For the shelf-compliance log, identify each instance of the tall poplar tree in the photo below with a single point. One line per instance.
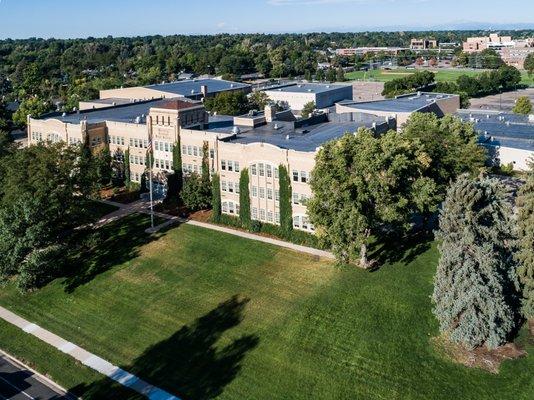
(244, 199)
(475, 299)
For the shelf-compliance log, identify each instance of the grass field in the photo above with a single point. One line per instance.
(208, 315)
(442, 75)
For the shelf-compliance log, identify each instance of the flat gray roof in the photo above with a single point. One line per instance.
(119, 113)
(191, 87)
(501, 129)
(407, 103)
(307, 88)
(307, 138)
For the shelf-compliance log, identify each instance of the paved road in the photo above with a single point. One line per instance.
(18, 383)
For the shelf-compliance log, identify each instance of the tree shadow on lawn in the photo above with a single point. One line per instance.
(403, 249)
(189, 364)
(99, 250)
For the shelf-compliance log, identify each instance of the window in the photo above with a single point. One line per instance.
(236, 166)
(195, 168)
(295, 176)
(254, 213)
(223, 186)
(254, 191)
(223, 165)
(253, 169)
(262, 193)
(184, 149)
(167, 146)
(189, 150)
(131, 142)
(269, 216)
(145, 143)
(195, 151)
(225, 206)
(269, 171)
(276, 173)
(230, 166)
(212, 153)
(236, 187)
(262, 214)
(303, 176)
(276, 195)
(295, 198)
(304, 223)
(269, 193)
(277, 217)
(261, 169)
(296, 222)
(231, 208)
(231, 187)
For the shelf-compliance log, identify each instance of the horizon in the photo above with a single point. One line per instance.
(208, 17)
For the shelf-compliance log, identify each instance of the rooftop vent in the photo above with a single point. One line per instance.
(64, 114)
(236, 130)
(276, 127)
(192, 91)
(287, 137)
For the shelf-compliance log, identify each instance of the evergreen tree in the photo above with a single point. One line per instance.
(286, 209)
(525, 255)
(175, 180)
(244, 199)
(216, 198)
(127, 178)
(474, 287)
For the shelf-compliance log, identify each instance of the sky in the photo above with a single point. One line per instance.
(97, 18)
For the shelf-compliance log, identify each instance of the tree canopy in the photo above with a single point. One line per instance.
(523, 105)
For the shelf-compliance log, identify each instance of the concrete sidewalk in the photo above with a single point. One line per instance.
(91, 360)
(142, 206)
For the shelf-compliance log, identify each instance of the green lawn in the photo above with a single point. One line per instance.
(208, 315)
(442, 75)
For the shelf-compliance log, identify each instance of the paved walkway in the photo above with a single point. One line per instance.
(92, 361)
(142, 206)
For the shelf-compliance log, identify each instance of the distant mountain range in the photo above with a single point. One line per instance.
(451, 26)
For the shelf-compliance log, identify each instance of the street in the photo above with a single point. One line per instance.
(18, 383)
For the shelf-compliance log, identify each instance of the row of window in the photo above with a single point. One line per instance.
(195, 151)
(190, 168)
(138, 143)
(136, 177)
(230, 207)
(162, 146)
(116, 140)
(74, 141)
(302, 222)
(263, 193)
(300, 176)
(265, 216)
(38, 136)
(163, 164)
(95, 141)
(262, 169)
(229, 165)
(161, 120)
(138, 160)
(230, 187)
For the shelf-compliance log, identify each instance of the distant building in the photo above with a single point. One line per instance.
(493, 41)
(509, 138)
(360, 51)
(423, 44)
(402, 107)
(516, 56)
(297, 95)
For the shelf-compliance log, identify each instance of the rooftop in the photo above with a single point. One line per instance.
(502, 129)
(306, 138)
(306, 88)
(405, 103)
(190, 87)
(119, 113)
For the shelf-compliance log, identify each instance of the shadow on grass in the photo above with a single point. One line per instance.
(400, 249)
(98, 251)
(189, 364)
